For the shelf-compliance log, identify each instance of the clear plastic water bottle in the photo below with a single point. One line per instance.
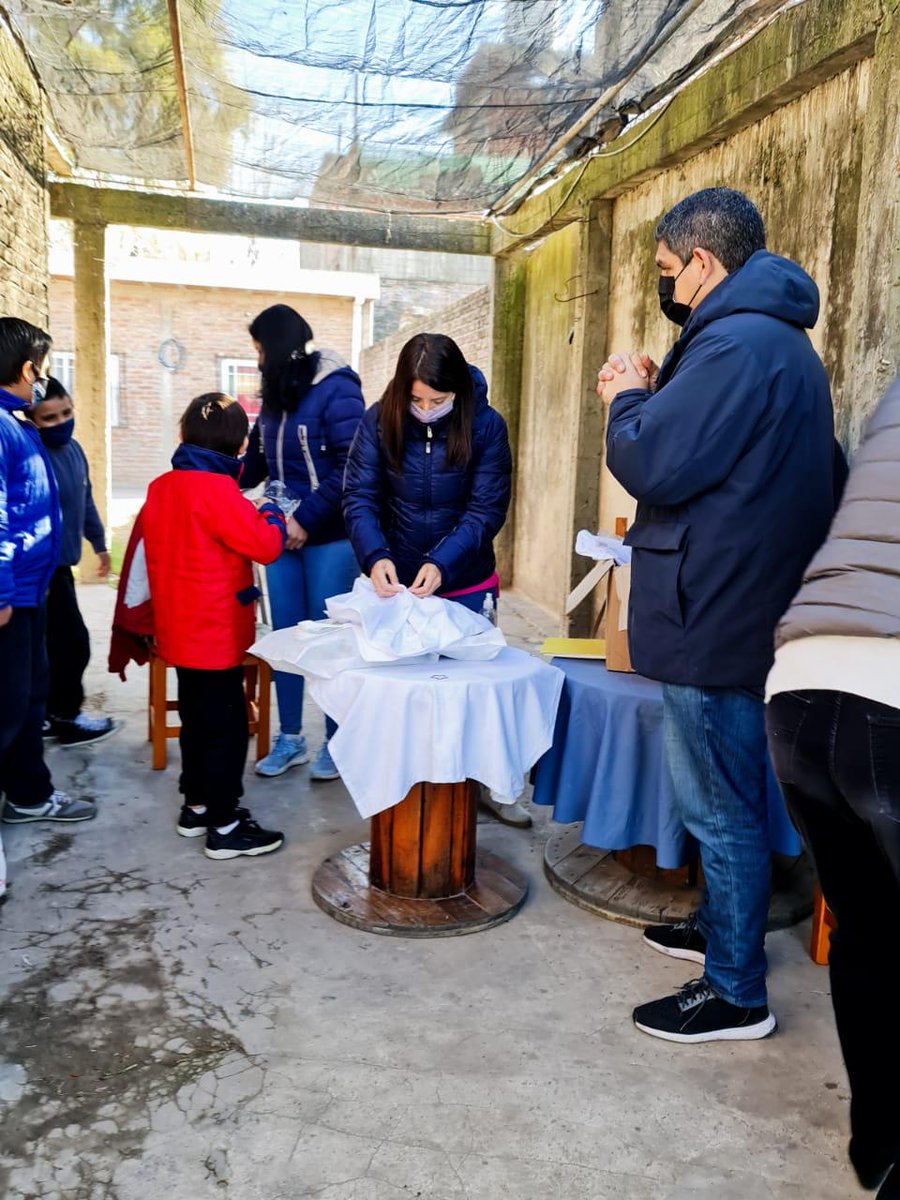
(489, 608)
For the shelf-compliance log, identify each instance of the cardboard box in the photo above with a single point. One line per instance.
(613, 584)
(618, 587)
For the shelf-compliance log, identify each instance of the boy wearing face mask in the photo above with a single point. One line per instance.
(30, 531)
(68, 641)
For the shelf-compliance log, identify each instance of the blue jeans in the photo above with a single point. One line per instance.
(300, 582)
(716, 750)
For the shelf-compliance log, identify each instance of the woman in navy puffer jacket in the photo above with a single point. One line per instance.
(427, 484)
(312, 405)
(427, 488)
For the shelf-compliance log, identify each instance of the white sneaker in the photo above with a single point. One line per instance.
(509, 812)
(289, 751)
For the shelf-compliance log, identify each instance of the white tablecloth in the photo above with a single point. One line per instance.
(440, 722)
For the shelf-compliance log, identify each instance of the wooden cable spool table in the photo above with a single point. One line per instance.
(422, 875)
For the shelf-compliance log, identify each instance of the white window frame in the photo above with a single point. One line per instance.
(228, 367)
(62, 367)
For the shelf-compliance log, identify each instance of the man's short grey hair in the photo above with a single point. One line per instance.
(719, 220)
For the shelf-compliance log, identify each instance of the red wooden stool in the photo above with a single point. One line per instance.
(257, 688)
(822, 924)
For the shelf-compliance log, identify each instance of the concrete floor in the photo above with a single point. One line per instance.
(176, 1029)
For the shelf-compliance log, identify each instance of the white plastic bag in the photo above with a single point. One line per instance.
(364, 630)
(406, 626)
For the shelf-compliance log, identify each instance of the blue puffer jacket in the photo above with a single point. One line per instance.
(307, 449)
(430, 511)
(30, 521)
(732, 462)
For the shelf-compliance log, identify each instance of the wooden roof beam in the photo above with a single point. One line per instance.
(163, 210)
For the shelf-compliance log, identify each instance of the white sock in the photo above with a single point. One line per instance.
(227, 828)
(199, 809)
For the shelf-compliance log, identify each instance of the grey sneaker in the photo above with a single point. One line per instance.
(509, 812)
(323, 769)
(59, 807)
(289, 751)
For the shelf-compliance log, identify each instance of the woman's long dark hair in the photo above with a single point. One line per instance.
(287, 370)
(436, 361)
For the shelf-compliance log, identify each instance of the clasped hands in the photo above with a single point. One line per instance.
(622, 372)
(385, 582)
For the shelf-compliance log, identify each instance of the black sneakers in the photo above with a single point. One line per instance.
(245, 839)
(697, 1014)
(84, 730)
(683, 940)
(192, 824)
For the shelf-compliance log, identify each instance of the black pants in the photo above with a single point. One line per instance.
(68, 647)
(837, 758)
(24, 778)
(213, 738)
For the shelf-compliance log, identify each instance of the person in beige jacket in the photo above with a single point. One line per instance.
(834, 735)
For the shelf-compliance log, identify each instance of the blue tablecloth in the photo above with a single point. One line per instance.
(607, 767)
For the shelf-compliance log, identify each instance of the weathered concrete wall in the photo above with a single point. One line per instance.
(548, 421)
(23, 201)
(801, 166)
(468, 322)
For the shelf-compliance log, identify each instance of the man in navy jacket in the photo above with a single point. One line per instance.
(728, 448)
(29, 549)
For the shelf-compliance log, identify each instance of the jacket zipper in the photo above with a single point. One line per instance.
(303, 434)
(279, 448)
(428, 437)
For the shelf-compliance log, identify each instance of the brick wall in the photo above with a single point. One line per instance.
(467, 321)
(210, 323)
(23, 204)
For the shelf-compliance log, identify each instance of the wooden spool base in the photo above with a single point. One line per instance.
(599, 882)
(341, 888)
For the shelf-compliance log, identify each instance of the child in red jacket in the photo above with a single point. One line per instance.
(201, 537)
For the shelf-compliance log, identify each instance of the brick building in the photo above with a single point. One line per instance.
(178, 327)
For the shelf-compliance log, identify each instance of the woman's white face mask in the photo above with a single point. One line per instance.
(428, 416)
(427, 405)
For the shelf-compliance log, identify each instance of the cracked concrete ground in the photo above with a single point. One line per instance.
(179, 1029)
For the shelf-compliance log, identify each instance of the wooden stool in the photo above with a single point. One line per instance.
(822, 924)
(257, 688)
(421, 875)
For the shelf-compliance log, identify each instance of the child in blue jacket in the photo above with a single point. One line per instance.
(68, 641)
(29, 549)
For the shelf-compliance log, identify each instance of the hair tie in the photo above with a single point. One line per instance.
(308, 349)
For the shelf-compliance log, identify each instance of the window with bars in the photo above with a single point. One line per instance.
(62, 366)
(239, 378)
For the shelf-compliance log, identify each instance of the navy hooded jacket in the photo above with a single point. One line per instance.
(731, 460)
(307, 449)
(80, 518)
(30, 521)
(430, 511)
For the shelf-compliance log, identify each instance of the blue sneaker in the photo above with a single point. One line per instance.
(323, 769)
(289, 751)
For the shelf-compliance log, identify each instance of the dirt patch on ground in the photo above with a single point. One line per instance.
(93, 1045)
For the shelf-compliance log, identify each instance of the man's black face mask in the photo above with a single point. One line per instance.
(678, 313)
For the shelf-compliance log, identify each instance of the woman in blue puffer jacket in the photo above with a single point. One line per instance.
(427, 485)
(312, 404)
(428, 479)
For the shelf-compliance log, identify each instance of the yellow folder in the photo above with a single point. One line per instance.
(560, 647)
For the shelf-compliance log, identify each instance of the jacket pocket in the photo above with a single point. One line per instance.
(303, 435)
(656, 595)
